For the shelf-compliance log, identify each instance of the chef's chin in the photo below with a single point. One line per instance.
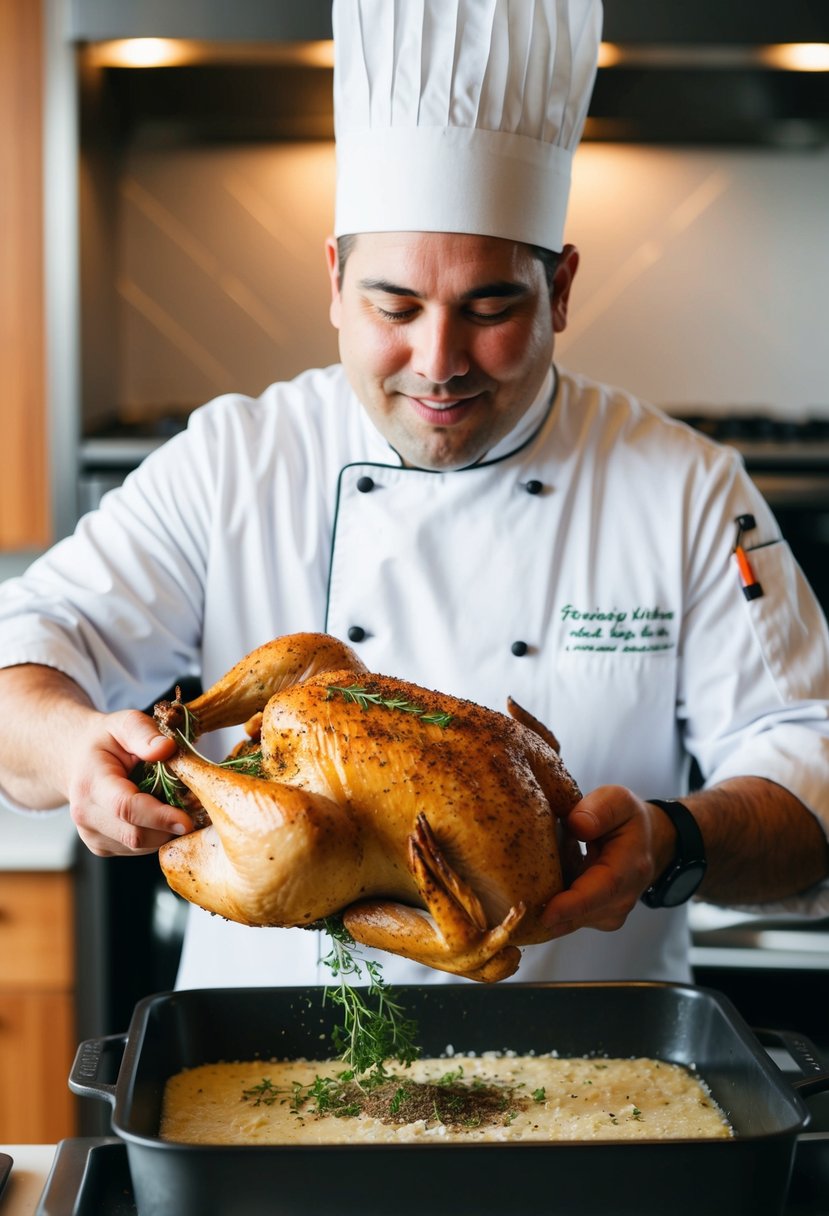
(438, 448)
(440, 457)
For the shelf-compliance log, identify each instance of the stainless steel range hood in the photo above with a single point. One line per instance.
(719, 22)
(211, 20)
(673, 71)
(667, 22)
(714, 72)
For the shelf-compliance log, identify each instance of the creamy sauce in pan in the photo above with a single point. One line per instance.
(546, 1098)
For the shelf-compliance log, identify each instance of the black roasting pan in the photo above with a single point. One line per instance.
(744, 1176)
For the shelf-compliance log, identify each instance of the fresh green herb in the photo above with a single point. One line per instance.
(449, 1078)
(636, 1113)
(336, 1096)
(374, 1028)
(540, 1094)
(263, 1094)
(359, 695)
(398, 1097)
(250, 763)
(159, 781)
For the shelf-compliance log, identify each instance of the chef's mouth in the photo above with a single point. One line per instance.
(446, 413)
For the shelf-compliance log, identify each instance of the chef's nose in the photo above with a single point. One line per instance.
(438, 349)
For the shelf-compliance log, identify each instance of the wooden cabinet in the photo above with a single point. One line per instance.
(24, 487)
(37, 1033)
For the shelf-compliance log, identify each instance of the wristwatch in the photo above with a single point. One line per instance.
(687, 870)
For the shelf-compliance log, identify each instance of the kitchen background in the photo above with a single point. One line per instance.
(702, 282)
(171, 224)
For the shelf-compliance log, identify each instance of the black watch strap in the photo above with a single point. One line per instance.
(685, 873)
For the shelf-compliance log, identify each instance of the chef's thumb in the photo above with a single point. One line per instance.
(138, 735)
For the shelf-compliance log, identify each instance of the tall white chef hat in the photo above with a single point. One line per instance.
(460, 115)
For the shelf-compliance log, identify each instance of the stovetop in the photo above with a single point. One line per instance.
(767, 440)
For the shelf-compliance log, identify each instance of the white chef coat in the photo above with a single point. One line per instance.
(599, 534)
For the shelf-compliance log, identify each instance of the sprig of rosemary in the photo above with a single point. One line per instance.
(361, 696)
(158, 780)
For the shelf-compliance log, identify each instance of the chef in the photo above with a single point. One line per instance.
(469, 516)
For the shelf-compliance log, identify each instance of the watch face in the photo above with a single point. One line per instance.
(682, 884)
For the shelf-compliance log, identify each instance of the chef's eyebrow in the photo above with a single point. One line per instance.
(502, 288)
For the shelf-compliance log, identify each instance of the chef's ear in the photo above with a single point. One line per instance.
(332, 261)
(568, 264)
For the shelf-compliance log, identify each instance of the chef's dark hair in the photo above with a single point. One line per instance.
(548, 258)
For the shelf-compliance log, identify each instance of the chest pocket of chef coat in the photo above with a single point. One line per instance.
(616, 721)
(787, 622)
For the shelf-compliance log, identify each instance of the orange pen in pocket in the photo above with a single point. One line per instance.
(752, 588)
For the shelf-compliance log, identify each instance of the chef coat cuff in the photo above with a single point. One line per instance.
(51, 649)
(795, 757)
(8, 803)
(813, 903)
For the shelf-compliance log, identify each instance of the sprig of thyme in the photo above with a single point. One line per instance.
(374, 1027)
(359, 695)
(374, 1030)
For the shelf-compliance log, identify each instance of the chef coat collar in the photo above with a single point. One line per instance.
(527, 427)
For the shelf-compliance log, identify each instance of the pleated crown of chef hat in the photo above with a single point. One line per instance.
(460, 115)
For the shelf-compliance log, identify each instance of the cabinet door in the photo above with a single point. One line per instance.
(36, 931)
(37, 1033)
(37, 1045)
(24, 494)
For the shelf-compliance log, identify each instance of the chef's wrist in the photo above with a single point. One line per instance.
(681, 878)
(663, 836)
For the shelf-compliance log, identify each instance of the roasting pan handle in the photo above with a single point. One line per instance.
(83, 1076)
(805, 1055)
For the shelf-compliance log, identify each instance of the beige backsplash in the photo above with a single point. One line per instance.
(703, 275)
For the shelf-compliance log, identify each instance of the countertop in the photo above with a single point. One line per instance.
(14, 563)
(39, 840)
(32, 1163)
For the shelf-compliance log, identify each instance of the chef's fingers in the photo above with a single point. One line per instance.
(134, 736)
(117, 820)
(600, 898)
(615, 867)
(113, 816)
(602, 811)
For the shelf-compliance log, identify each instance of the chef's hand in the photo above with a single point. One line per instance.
(55, 747)
(113, 817)
(628, 843)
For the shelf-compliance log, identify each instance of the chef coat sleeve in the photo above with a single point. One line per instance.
(754, 673)
(118, 605)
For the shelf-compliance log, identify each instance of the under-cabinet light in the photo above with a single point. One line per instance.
(175, 52)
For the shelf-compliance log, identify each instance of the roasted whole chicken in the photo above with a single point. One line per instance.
(428, 822)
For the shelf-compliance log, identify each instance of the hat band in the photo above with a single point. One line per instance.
(452, 179)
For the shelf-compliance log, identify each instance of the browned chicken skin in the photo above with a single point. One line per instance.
(431, 825)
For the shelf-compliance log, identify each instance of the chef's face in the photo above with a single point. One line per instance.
(446, 338)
